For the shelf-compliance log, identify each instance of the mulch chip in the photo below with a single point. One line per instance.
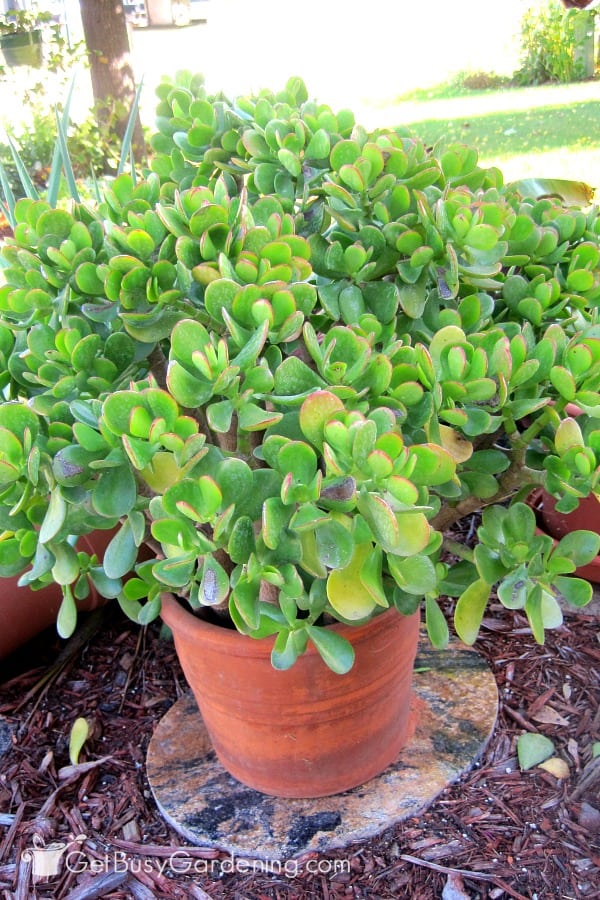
(497, 833)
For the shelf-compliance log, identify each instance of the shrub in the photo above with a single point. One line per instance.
(548, 44)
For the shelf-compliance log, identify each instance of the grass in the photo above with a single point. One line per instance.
(548, 131)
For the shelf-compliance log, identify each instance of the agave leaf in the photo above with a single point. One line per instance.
(577, 192)
(66, 159)
(126, 148)
(8, 207)
(57, 160)
(26, 182)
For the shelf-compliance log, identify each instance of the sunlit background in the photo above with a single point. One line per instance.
(367, 55)
(348, 52)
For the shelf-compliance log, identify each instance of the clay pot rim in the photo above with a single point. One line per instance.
(174, 614)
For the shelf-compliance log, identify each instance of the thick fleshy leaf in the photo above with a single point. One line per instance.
(581, 547)
(371, 576)
(121, 553)
(402, 533)
(174, 572)
(189, 390)
(469, 610)
(115, 493)
(54, 518)
(568, 435)
(434, 465)
(534, 612)
(77, 738)
(576, 591)
(335, 650)
(334, 543)
(315, 412)
(66, 565)
(275, 517)
(414, 574)
(437, 627)
(349, 597)
(67, 614)
(285, 652)
(241, 541)
(244, 598)
(214, 587)
(512, 592)
(533, 749)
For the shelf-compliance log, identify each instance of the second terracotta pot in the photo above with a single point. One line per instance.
(24, 613)
(304, 732)
(557, 524)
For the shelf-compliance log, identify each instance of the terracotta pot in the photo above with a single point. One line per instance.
(558, 524)
(25, 613)
(304, 732)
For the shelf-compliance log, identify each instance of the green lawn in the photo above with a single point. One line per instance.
(550, 131)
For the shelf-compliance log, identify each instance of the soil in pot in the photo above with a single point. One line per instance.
(304, 732)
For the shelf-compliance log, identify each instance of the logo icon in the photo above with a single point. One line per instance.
(46, 859)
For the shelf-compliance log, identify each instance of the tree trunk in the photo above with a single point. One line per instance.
(113, 83)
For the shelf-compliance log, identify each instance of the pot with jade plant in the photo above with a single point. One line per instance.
(289, 358)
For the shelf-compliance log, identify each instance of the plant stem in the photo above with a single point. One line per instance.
(516, 476)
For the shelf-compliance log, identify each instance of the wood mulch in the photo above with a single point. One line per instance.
(497, 833)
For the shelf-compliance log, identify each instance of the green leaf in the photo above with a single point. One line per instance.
(469, 610)
(115, 493)
(535, 613)
(79, 735)
(576, 591)
(581, 547)
(121, 553)
(371, 576)
(126, 148)
(349, 596)
(290, 161)
(414, 574)
(214, 587)
(437, 627)
(241, 541)
(315, 412)
(66, 159)
(244, 600)
(54, 518)
(146, 613)
(67, 614)
(174, 572)
(433, 466)
(489, 565)
(66, 566)
(533, 749)
(334, 544)
(335, 650)
(285, 651)
(512, 592)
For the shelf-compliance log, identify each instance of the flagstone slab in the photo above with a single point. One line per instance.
(453, 711)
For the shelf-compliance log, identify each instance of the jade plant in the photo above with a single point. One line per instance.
(288, 360)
